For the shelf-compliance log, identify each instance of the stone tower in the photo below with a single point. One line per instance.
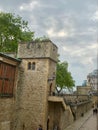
(36, 82)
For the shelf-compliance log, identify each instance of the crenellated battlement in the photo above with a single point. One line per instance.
(43, 49)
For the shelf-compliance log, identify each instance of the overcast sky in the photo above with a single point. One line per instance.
(70, 24)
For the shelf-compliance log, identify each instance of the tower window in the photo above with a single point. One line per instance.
(33, 66)
(29, 65)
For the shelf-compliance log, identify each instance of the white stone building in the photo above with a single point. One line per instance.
(92, 80)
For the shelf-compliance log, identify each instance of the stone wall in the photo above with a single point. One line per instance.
(80, 109)
(69, 98)
(83, 90)
(33, 85)
(32, 97)
(94, 101)
(66, 119)
(6, 113)
(44, 49)
(58, 116)
(29, 106)
(7, 103)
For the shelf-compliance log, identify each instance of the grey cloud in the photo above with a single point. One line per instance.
(12, 3)
(70, 16)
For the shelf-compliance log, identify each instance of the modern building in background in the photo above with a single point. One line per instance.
(92, 80)
(84, 83)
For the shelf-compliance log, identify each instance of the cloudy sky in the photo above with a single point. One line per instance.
(70, 24)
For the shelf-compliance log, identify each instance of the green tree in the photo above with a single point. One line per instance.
(13, 30)
(63, 77)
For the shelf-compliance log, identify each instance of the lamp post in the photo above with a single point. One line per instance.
(50, 80)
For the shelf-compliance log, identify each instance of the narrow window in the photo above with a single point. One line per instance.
(29, 65)
(33, 66)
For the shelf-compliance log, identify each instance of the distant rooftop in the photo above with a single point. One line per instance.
(94, 73)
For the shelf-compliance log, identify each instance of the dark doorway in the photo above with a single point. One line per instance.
(48, 123)
(50, 91)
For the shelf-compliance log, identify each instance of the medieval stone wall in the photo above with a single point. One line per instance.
(58, 117)
(66, 119)
(80, 110)
(7, 103)
(45, 49)
(32, 98)
(33, 85)
(6, 113)
(30, 107)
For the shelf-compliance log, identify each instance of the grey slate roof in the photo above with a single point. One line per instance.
(9, 57)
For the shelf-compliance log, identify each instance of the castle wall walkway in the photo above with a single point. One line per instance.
(87, 122)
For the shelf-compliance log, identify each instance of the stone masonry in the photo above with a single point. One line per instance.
(33, 85)
(33, 102)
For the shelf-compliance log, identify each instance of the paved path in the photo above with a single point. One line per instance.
(88, 122)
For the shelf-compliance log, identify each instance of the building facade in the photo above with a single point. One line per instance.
(37, 69)
(92, 80)
(8, 86)
(27, 85)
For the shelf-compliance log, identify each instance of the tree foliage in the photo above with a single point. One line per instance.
(13, 30)
(63, 77)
